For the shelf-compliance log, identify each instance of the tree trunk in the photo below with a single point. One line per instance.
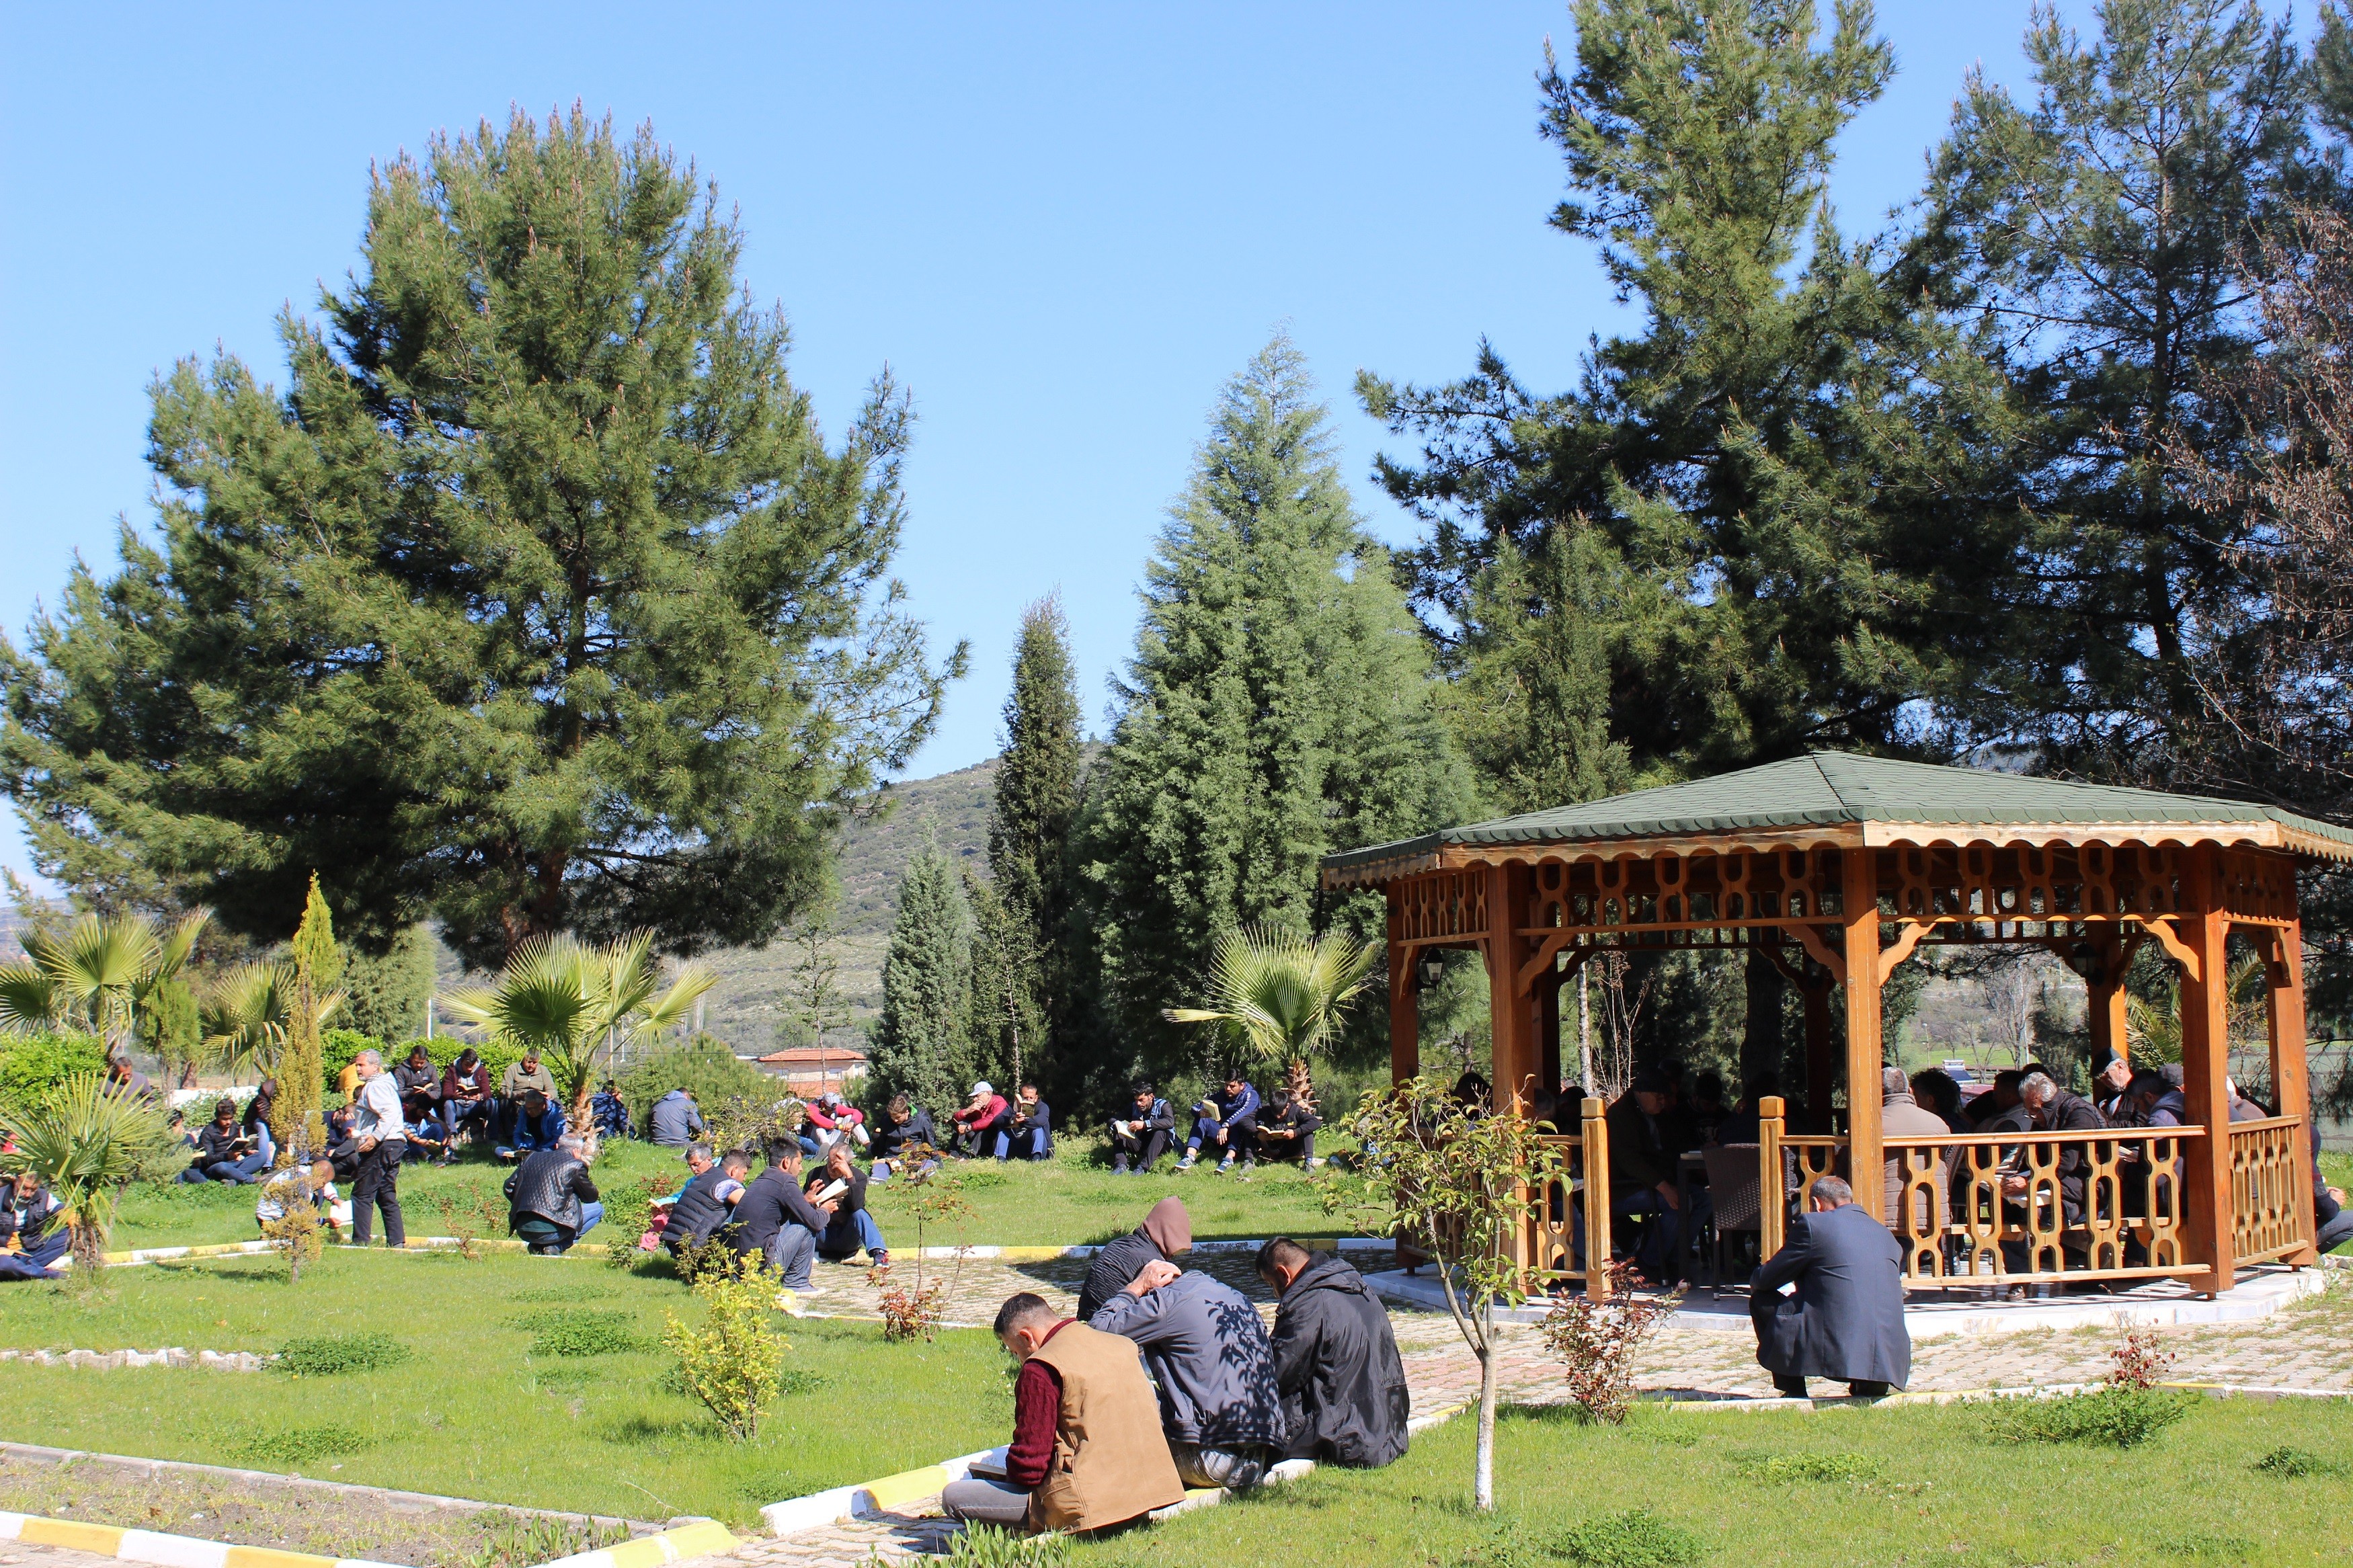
(1482, 1485)
(1302, 1084)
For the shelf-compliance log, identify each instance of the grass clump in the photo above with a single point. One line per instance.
(516, 1541)
(2114, 1416)
(288, 1445)
(2293, 1464)
(986, 1546)
(1785, 1467)
(565, 1293)
(339, 1355)
(1635, 1539)
(2201, 1548)
(586, 1334)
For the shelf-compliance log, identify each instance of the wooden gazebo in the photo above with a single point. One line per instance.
(1839, 868)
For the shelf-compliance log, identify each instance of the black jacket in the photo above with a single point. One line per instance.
(1846, 1320)
(2070, 1113)
(38, 1213)
(698, 1215)
(767, 1205)
(889, 1140)
(216, 1143)
(551, 1185)
(1336, 1362)
(1115, 1265)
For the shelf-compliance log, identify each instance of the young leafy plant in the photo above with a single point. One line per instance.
(734, 1360)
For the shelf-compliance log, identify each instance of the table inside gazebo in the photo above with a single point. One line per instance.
(1838, 868)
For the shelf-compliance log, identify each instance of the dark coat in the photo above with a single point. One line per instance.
(1639, 1155)
(1846, 1320)
(772, 1202)
(1119, 1262)
(890, 1138)
(550, 1185)
(1336, 1362)
(2070, 1113)
(1206, 1349)
(698, 1215)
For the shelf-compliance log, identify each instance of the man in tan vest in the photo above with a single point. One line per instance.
(1087, 1450)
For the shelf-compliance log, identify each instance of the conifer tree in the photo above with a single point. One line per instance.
(384, 996)
(536, 602)
(1022, 920)
(296, 1121)
(921, 1041)
(1279, 707)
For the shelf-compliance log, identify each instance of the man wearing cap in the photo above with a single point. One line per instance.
(1642, 1172)
(979, 1122)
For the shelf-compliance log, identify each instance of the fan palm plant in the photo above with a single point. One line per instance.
(95, 975)
(1283, 995)
(86, 1143)
(245, 1011)
(577, 1001)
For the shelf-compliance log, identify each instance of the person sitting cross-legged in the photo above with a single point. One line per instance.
(419, 1086)
(706, 1205)
(608, 1114)
(224, 1153)
(775, 1219)
(1140, 1137)
(902, 1127)
(551, 1200)
(676, 1120)
(1087, 1452)
(1207, 1350)
(32, 1222)
(538, 1123)
(465, 1093)
(837, 1181)
(1227, 1123)
(1345, 1400)
(1287, 1129)
(516, 1086)
(979, 1121)
(1844, 1320)
(1029, 1131)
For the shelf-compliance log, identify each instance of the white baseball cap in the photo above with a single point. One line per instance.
(982, 1087)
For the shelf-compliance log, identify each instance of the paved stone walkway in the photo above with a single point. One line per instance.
(18, 1554)
(2307, 1346)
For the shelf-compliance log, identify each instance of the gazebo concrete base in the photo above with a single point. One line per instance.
(2260, 1293)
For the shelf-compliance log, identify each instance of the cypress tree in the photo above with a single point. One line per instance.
(1020, 966)
(296, 1121)
(921, 1041)
(1279, 706)
(384, 996)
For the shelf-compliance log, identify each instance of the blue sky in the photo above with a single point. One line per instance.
(1062, 228)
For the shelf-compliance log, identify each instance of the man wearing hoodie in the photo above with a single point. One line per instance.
(1166, 1232)
(1208, 1356)
(1345, 1400)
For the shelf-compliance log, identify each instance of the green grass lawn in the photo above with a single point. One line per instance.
(1070, 1200)
(1922, 1485)
(477, 1410)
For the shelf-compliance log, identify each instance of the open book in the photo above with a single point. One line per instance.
(830, 1192)
(989, 1466)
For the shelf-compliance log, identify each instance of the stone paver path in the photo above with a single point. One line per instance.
(20, 1555)
(2307, 1346)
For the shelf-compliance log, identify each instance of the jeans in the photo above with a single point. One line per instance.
(591, 1211)
(885, 1169)
(848, 1233)
(245, 1172)
(1242, 1137)
(790, 1252)
(378, 1184)
(2338, 1231)
(979, 1138)
(978, 1501)
(1142, 1150)
(455, 1113)
(1030, 1144)
(49, 1249)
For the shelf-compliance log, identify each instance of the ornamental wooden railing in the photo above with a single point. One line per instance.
(1568, 1217)
(1787, 1163)
(2269, 1160)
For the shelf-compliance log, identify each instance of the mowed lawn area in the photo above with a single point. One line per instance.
(1916, 1485)
(484, 1403)
(1070, 1200)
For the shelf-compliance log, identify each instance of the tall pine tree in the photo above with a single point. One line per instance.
(921, 1043)
(1279, 707)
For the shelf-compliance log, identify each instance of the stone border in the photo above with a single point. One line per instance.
(419, 1244)
(170, 1355)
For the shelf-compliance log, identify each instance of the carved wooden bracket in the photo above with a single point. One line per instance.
(1547, 951)
(1811, 939)
(1905, 940)
(2181, 951)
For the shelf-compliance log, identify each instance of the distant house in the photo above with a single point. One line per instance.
(810, 1070)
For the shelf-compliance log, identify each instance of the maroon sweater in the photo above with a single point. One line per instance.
(1037, 1410)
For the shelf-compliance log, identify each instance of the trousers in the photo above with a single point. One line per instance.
(378, 1184)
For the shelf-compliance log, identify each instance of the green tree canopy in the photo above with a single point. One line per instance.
(921, 1043)
(537, 600)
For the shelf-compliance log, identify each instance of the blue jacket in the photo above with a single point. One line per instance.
(1243, 1105)
(612, 1117)
(541, 1134)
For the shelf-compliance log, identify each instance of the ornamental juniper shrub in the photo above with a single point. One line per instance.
(2114, 1416)
(339, 1355)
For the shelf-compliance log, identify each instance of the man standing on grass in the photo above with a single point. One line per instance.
(1087, 1452)
(1844, 1320)
(1345, 1400)
(382, 1143)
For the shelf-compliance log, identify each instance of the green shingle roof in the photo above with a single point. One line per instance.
(1827, 788)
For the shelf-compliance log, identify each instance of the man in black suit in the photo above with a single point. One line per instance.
(1845, 1320)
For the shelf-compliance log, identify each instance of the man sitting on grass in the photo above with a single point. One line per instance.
(538, 1123)
(1142, 1136)
(1028, 1130)
(608, 1114)
(837, 1181)
(1845, 1319)
(776, 1220)
(900, 1128)
(224, 1152)
(1227, 1123)
(465, 1092)
(1288, 1131)
(1087, 1452)
(979, 1122)
(1345, 1400)
(1207, 1350)
(31, 1226)
(551, 1200)
(1166, 1232)
(707, 1203)
(284, 1188)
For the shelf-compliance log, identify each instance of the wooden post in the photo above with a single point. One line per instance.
(2105, 1000)
(1511, 1011)
(1859, 912)
(2283, 999)
(2205, 1064)
(1772, 1201)
(1404, 999)
(1595, 1131)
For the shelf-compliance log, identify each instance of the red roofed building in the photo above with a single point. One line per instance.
(809, 1070)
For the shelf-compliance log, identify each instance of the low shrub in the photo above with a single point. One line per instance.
(586, 1334)
(340, 1355)
(986, 1546)
(2114, 1415)
(1635, 1539)
(2293, 1464)
(732, 1363)
(1786, 1468)
(517, 1541)
(1597, 1341)
(297, 1445)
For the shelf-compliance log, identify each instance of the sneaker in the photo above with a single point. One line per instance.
(1317, 1163)
(879, 1261)
(1184, 1165)
(1249, 1163)
(1225, 1164)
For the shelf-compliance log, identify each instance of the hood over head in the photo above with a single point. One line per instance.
(1169, 1227)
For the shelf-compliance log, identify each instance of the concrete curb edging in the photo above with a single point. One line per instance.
(169, 1356)
(703, 1538)
(415, 1244)
(150, 1546)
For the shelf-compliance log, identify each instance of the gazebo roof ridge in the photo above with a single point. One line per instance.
(1848, 790)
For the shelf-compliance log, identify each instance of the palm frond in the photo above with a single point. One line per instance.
(1283, 991)
(30, 999)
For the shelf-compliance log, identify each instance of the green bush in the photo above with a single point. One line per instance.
(288, 1445)
(32, 1064)
(580, 1333)
(704, 1067)
(1636, 1538)
(339, 1355)
(1783, 1468)
(2293, 1464)
(2111, 1416)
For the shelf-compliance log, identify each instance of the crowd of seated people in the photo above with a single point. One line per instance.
(1167, 1379)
